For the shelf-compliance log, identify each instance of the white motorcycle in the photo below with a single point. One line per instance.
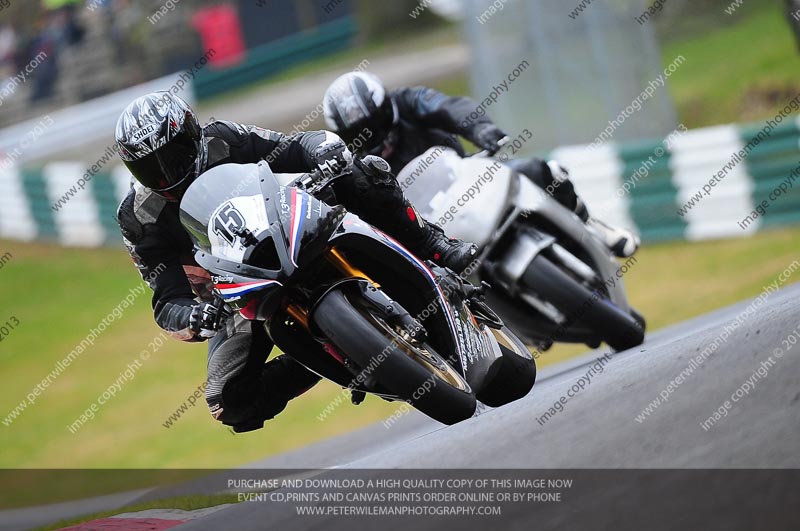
(552, 277)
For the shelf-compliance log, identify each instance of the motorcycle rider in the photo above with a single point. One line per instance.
(402, 124)
(165, 148)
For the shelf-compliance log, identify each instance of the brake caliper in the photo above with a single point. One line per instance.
(393, 313)
(474, 296)
(476, 300)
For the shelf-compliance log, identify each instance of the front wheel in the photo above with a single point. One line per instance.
(411, 370)
(617, 328)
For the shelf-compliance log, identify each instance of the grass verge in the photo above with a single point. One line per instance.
(58, 294)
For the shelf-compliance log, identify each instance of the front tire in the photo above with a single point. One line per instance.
(620, 330)
(414, 372)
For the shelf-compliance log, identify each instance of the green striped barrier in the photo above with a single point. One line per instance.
(653, 198)
(771, 163)
(658, 201)
(645, 185)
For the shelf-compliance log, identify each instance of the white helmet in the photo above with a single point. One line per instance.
(356, 102)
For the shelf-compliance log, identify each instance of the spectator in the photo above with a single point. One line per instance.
(45, 75)
(61, 29)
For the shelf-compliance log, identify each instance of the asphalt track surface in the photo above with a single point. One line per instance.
(665, 472)
(598, 430)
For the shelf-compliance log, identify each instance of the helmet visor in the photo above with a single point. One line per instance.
(364, 129)
(167, 169)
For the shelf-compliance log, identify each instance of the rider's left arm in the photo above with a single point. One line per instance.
(300, 152)
(455, 114)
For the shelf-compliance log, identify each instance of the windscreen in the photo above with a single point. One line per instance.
(221, 202)
(427, 178)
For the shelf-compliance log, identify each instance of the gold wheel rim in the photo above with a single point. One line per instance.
(446, 374)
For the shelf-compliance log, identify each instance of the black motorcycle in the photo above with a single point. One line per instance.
(346, 300)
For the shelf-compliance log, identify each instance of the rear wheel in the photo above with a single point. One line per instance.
(407, 368)
(516, 375)
(617, 328)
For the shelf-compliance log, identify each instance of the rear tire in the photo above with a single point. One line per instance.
(389, 361)
(620, 330)
(516, 375)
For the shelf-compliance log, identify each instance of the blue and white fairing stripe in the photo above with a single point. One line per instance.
(299, 206)
(394, 244)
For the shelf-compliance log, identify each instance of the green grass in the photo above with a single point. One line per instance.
(732, 73)
(672, 282)
(738, 71)
(739, 68)
(58, 295)
(56, 306)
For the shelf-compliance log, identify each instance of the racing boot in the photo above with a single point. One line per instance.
(622, 242)
(446, 252)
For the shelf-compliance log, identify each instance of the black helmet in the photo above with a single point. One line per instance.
(161, 143)
(357, 106)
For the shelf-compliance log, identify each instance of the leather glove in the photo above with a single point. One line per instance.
(375, 167)
(487, 136)
(332, 157)
(206, 319)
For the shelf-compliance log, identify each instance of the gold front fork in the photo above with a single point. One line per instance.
(339, 261)
(299, 314)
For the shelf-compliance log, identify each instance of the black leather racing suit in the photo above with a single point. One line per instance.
(427, 118)
(242, 390)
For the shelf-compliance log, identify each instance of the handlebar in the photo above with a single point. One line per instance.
(308, 180)
(318, 179)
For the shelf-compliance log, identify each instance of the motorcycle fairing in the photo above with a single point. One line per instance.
(507, 195)
(465, 196)
(470, 341)
(533, 201)
(254, 241)
(259, 234)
